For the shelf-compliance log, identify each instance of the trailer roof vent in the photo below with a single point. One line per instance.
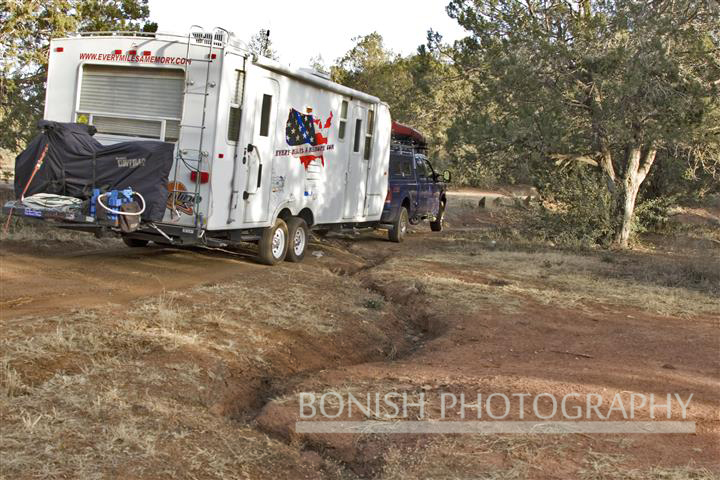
(204, 38)
(312, 71)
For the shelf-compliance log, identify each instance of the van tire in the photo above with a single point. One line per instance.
(400, 226)
(135, 242)
(437, 224)
(273, 244)
(298, 237)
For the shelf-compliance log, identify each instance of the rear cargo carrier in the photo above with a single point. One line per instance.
(76, 165)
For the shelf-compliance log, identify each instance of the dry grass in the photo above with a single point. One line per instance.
(36, 234)
(606, 466)
(98, 394)
(476, 456)
(490, 278)
(519, 457)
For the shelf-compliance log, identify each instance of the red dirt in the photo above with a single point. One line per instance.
(487, 351)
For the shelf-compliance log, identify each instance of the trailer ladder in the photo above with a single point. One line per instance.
(193, 158)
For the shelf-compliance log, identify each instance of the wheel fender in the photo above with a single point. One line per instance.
(279, 208)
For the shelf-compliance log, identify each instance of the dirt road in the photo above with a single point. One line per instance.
(170, 363)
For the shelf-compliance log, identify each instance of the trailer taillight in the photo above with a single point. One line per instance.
(204, 176)
(59, 49)
(117, 52)
(146, 53)
(212, 56)
(132, 52)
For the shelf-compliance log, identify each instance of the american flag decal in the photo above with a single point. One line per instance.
(305, 129)
(300, 129)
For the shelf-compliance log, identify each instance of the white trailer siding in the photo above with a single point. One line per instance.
(334, 185)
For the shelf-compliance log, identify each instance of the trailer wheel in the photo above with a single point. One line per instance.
(437, 224)
(298, 236)
(135, 242)
(400, 226)
(272, 246)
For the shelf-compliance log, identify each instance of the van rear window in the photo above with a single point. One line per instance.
(401, 166)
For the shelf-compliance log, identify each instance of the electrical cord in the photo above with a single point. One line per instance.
(117, 212)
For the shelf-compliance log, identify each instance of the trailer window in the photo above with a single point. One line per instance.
(368, 134)
(343, 119)
(127, 127)
(235, 114)
(358, 132)
(132, 101)
(265, 115)
(172, 130)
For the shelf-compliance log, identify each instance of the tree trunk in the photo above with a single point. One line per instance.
(635, 174)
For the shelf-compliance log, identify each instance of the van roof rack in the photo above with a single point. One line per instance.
(404, 147)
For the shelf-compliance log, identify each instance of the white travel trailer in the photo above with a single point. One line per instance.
(263, 151)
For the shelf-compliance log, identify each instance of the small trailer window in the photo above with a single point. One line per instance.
(233, 131)
(368, 135)
(132, 101)
(358, 132)
(265, 115)
(343, 120)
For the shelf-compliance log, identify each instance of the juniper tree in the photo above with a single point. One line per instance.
(607, 83)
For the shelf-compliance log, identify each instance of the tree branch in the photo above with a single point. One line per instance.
(564, 159)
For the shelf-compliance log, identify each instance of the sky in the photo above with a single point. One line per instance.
(300, 30)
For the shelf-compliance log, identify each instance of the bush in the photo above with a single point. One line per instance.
(653, 214)
(576, 208)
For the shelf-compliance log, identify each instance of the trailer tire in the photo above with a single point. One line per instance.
(400, 226)
(135, 242)
(273, 243)
(437, 224)
(298, 236)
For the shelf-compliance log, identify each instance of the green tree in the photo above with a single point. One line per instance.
(374, 69)
(261, 45)
(26, 28)
(423, 90)
(605, 83)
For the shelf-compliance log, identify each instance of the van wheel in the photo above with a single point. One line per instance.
(298, 236)
(272, 246)
(437, 224)
(400, 226)
(135, 242)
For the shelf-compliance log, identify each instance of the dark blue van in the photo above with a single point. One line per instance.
(416, 191)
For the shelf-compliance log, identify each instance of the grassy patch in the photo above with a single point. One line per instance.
(476, 456)
(677, 287)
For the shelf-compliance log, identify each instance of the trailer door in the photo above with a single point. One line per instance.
(357, 167)
(259, 164)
